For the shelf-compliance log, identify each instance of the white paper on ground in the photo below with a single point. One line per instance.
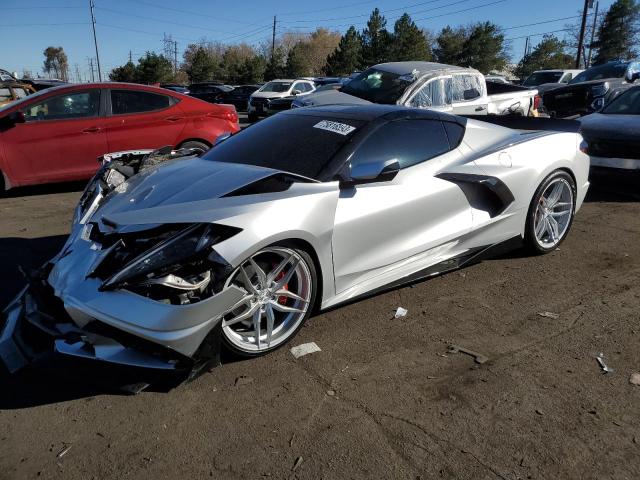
(305, 349)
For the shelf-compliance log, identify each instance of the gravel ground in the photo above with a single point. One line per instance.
(383, 399)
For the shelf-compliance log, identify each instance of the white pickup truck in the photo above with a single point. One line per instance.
(446, 88)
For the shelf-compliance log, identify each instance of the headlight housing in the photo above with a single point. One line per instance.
(189, 251)
(600, 90)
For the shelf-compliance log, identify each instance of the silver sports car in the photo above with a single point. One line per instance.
(170, 261)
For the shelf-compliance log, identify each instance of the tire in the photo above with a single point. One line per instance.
(291, 282)
(253, 117)
(200, 147)
(551, 213)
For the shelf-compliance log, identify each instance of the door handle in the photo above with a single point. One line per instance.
(91, 130)
(480, 109)
(174, 119)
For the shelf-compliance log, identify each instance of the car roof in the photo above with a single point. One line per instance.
(371, 112)
(405, 68)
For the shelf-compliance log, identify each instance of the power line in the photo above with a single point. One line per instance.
(385, 11)
(43, 24)
(328, 9)
(538, 34)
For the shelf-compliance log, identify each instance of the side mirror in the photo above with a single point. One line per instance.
(16, 117)
(597, 104)
(297, 92)
(471, 94)
(631, 76)
(373, 172)
(222, 138)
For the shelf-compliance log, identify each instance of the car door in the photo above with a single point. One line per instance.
(140, 119)
(61, 139)
(468, 95)
(381, 226)
(432, 95)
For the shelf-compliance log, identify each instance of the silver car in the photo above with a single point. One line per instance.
(168, 263)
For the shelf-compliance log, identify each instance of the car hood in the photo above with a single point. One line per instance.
(332, 97)
(270, 94)
(177, 184)
(611, 127)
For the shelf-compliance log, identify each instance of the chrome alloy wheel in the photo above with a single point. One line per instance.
(553, 213)
(278, 286)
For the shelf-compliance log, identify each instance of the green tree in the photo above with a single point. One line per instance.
(408, 42)
(376, 40)
(56, 63)
(277, 65)
(126, 73)
(550, 53)
(202, 66)
(297, 65)
(484, 48)
(154, 68)
(618, 33)
(347, 57)
(253, 69)
(449, 45)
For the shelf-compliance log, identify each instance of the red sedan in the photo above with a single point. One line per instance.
(57, 134)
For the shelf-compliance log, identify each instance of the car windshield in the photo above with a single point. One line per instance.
(614, 70)
(538, 78)
(626, 104)
(378, 86)
(276, 87)
(309, 145)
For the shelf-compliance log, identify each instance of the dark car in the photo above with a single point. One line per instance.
(613, 135)
(212, 92)
(591, 89)
(239, 96)
(175, 88)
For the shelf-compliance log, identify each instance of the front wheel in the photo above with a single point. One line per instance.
(551, 212)
(280, 291)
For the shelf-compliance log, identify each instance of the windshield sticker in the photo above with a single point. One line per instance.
(335, 127)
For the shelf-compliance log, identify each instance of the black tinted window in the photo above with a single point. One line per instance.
(136, 101)
(626, 104)
(299, 144)
(408, 141)
(609, 70)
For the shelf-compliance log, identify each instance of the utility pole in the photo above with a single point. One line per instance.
(593, 34)
(130, 61)
(95, 39)
(77, 69)
(273, 39)
(175, 58)
(90, 61)
(583, 27)
(526, 46)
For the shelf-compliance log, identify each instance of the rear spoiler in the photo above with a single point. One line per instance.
(529, 123)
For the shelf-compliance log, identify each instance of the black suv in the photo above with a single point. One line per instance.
(590, 90)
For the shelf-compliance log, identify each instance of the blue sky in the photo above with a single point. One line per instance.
(28, 27)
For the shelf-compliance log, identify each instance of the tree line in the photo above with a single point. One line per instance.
(322, 52)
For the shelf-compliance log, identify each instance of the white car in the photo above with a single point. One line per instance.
(543, 77)
(258, 101)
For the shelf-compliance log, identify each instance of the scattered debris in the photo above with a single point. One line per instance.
(401, 312)
(634, 379)
(431, 377)
(297, 463)
(331, 393)
(63, 452)
(603, 366)
(539, 412)
(135, 388)
(305, 349)
(549, 314)
(478, 357)
(292, 439)
(243, 380)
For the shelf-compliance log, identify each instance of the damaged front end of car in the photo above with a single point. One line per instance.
(146, 296)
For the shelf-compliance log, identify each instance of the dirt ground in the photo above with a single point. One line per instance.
(383, 399)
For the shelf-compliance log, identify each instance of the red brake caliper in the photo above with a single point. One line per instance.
(282, 300)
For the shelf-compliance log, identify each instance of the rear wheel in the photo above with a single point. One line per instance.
(280, 290)
(551, 212)
(198, 147)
